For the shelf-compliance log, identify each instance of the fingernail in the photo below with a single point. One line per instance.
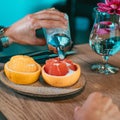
(77, 109)
(66, 16)
(52, 8)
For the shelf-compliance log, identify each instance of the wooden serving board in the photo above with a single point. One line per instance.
(42, 89)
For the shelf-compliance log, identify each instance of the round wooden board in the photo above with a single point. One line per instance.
(42, 89)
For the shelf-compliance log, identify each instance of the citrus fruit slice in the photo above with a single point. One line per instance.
(70, 64)
(22, 69)
(56, 67)
(61, 73)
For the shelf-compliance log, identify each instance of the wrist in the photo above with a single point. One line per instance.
(4, 40)
(8, 34)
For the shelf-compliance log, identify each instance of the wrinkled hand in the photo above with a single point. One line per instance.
(97, 107)
(23, 31)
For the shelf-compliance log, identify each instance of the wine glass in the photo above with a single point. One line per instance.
(105, 40)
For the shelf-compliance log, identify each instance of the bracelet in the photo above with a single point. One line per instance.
(1, 31)
(4, 40)
(1, 46)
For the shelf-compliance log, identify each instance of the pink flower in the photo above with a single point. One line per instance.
(110, 6)
(107, 23)
(102, 31)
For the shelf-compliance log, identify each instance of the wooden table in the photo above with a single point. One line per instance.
(18, 107)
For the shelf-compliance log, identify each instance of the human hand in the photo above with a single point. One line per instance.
(23, 31)
(97, 107)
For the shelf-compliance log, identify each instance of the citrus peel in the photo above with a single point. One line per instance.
(66, 80)
(22, 69)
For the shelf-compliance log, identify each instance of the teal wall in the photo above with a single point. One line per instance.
(13, 10)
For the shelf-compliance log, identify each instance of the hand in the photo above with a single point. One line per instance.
(97, 107)
(23, 31)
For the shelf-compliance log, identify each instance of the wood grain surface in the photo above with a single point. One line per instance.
(19, 107)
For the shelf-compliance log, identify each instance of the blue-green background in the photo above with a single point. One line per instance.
(13, 10)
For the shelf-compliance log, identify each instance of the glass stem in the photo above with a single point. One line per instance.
(105, 59)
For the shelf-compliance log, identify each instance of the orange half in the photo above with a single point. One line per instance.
(62, 81)
(22, 70)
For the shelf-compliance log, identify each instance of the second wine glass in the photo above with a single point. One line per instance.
(105, 40)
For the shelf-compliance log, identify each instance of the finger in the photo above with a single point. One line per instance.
(112, 109)
(47, 24)
(49, 16)
(56, 12)
(52, 11)
(52, 24)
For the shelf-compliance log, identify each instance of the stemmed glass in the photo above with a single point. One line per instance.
(105, 40)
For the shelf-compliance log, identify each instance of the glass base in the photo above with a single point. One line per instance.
(104, 68)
